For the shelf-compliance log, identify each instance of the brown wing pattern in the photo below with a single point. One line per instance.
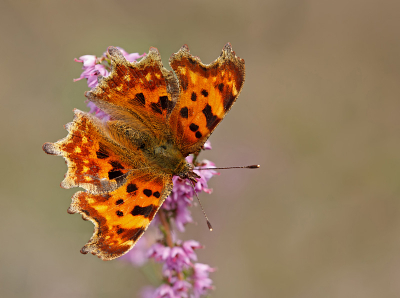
(121, 216)
(145, 90)
(95, 162)
(207, 92)
(122, 193)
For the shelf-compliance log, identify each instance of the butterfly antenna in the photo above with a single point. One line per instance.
(245, 167)
(202, 209)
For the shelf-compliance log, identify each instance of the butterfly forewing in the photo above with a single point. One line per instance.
(207, 93)
(144, 90)
(95, 162)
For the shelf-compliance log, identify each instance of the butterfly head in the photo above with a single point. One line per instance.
(189, 174)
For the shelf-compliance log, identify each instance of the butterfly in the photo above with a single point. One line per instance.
(158, 117)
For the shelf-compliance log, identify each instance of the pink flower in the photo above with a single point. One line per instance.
(96, 111)
(189, 246)
(165, 291)
(87, 60)
(147, 292)
(183, 215)
(91, 70)
(130, 57)
(202, 283)
(205, 175)
(174, 258)
(92, 79)
(158, 252)
(181, 288)
(207, 145)
(177, 260)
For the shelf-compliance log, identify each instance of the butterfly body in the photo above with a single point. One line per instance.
(160, 153)
(158, 118)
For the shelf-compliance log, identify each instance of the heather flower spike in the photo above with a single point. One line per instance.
(182, 275)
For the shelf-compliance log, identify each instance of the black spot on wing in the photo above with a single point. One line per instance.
(221, 87)
(120, 231)
(119, 213)
(131, 188)
(139, 98)
(198, 134)
(147, 192)
(156, 194)
(194, 96)
(144, 211)
(156, 107)
(114, 174)
(211, 119)
(193, 127)
(165, 103)
(116, 165)
(204, 92)
(102, 153)
(184, 112)
(119, 202)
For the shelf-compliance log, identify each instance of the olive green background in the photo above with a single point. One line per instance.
(319, 111)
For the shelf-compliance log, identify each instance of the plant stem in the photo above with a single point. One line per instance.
(168, 234)
(167, 228)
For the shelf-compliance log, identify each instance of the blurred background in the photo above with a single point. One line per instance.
(319, 112)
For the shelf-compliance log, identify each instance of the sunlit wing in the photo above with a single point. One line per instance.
(95, 161)
(144, 90)
(121, 216)
(122, 193)
(207, 92)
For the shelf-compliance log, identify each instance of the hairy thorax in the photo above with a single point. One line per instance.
(167, 157)
(161, 154)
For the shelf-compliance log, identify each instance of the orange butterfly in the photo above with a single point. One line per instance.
(158, 117)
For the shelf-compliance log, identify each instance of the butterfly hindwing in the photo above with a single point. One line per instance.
(122, 192)
(121, 216)
(207, 93)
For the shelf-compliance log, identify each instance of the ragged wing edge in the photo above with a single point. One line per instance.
(92, 246)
